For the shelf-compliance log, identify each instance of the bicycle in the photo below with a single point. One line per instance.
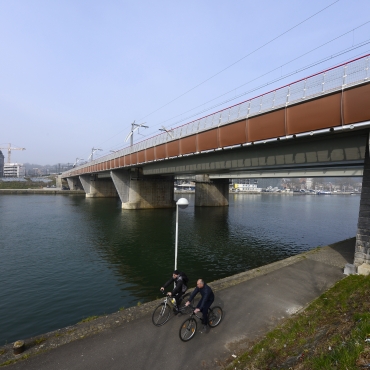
(162, 313)
(189, 327)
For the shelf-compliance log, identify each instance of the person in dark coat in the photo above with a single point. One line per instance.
(181, 280)
(205, 303)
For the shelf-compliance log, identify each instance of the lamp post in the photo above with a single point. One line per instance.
(182, 203)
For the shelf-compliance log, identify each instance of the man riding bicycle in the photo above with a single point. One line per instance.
(205, 303)
(181, 280)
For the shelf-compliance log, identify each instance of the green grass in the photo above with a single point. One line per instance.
(21, 185)
(329, 334)
(12, 361)
(25, 184)
(87, 319)
(39, 340)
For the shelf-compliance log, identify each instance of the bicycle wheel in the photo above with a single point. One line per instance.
(161, 314)
(214, 316)
(188, 329)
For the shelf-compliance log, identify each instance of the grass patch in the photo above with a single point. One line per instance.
(22, 185)
(12, 361)
(122, 308)
(39, 341)
(2, 351)
(87, 319)
(9, 362)
(330, 334)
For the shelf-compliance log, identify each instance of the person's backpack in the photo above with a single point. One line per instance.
(185, 279)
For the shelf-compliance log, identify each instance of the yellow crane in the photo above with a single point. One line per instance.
(9, 148)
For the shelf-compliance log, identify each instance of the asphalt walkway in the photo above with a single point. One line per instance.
(253, 302)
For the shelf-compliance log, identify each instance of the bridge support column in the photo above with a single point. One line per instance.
(362, 253)
(137, 191)
(211, 193)
(98, 187)
(74, 183)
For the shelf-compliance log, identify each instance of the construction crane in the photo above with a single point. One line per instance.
(10, 148)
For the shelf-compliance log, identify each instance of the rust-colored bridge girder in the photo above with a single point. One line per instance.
(346, 107)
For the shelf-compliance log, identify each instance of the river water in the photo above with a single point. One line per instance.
(65, 258)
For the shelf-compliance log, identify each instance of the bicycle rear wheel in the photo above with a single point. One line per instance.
(214, 316)
(188, 329)
(161, 314)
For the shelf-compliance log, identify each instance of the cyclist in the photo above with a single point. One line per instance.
(181, 280)
(205, 303)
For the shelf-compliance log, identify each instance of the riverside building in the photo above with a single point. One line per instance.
(1, 164)
(14, 170)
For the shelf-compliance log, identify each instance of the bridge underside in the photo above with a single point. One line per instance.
(316, 154)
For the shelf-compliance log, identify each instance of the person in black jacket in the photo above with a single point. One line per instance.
(205, 303)
(181, 280)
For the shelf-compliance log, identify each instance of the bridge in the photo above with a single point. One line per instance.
(317, 126)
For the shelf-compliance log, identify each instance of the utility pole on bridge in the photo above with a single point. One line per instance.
(134, 127)
(93, 150)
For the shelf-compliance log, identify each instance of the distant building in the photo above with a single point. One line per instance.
(246, 187)
(264, 183)
(309, 183)
(14, 170)
(259, 183)
(1, 164)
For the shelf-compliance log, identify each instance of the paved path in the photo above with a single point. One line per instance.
(251, 307)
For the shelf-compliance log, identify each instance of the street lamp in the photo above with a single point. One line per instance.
(182, 203)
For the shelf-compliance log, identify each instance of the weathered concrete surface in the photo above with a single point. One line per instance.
(211, 193)
(74, 183)
(137, 191)
(364, 269)
(95, 187)
(362, 254)
(253, 301)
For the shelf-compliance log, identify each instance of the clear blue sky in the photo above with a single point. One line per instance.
(75, 74)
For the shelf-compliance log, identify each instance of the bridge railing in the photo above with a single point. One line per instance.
(331, 80)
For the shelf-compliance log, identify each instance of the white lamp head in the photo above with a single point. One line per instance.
(182, 203)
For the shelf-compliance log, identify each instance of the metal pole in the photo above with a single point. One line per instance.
(176, 235)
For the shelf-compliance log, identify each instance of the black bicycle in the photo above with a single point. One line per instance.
(162, 313)
(189, 327)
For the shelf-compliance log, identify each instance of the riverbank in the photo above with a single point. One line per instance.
(45, 191)
(332, 333)
(254, 302)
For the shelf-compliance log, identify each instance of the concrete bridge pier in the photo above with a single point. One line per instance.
(211, 193)
(137, 191)
(362, 251)
(95, 187)
(74, 183)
